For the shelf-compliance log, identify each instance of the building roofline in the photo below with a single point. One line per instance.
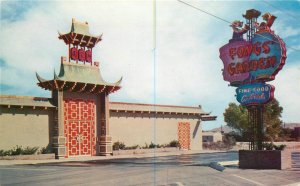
(25, 97)
(111, 102)
(26, 101)
(158, 105)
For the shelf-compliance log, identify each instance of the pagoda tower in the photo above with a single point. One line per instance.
(81, 95)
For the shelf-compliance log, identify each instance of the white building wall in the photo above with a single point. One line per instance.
(141, 128)
(25, 127)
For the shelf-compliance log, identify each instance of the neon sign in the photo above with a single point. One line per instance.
(271, 59)
(232, 55)
(257, 60)
(249, 64)
(255, 94)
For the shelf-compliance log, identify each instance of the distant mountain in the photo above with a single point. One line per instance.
(227, 129)
(290, 125)
(224, 128)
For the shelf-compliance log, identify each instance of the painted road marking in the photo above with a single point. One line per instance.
(252, 181)
(37, 169)
(294, 184)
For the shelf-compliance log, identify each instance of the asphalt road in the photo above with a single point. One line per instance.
(168, 170)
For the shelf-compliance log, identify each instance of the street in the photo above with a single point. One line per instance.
(187, 169)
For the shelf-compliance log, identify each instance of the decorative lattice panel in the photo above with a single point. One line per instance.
(184, 135)
(79, 124)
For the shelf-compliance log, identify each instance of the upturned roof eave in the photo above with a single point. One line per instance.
(73, 38)
(78, 86)
(100, 84)
(80, 35)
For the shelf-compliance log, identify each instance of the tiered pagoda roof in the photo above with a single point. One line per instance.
(80, 35)
(78, 78)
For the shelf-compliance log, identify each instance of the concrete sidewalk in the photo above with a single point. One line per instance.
(90, 158)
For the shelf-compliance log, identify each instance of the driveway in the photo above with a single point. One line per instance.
(186, 169)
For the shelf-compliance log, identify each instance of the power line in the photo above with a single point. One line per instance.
(297, 50)
(204, 11)
(280, 9)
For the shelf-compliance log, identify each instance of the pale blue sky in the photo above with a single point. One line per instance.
(188, 68)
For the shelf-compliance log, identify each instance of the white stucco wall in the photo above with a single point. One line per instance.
(141, 128)
(24, 127)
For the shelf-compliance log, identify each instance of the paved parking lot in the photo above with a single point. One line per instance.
(187, 169)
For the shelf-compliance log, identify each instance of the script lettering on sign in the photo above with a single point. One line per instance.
(254, 94)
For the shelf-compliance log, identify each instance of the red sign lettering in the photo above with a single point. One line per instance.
(253, 65)
(256, 48)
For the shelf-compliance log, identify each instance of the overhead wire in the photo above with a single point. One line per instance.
(215, 16)
(204, 11)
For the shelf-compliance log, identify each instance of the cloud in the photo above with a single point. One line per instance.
(287, 92)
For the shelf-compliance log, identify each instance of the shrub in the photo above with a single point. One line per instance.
(29, 150)
(152, 145)
(3, 153)
(174, 143)
(132, 147)
(268, 146)
(118, 146)
(146, 146)
(45, 150)
(216, 145)
(271, 146)
(229, 141)
(279, 147)
(18, 150)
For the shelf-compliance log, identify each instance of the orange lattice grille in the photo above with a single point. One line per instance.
(184, 135)
(79, 124)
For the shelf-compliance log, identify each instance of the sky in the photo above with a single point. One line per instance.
(186, 70)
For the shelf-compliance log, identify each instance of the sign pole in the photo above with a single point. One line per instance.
(260, 127)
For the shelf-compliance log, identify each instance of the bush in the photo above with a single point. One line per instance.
(18, 150)
(132, 147)
(45, 150)
(279, 147)
(29, 150)
(4, 153)
(229, 141)
(152, 145)
(174, 143)
(268, 146)
(146, 146)
(216, 145)
(118, 146)
(271, 146)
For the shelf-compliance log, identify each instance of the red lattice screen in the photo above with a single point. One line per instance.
(184, 135)
(79, 124)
